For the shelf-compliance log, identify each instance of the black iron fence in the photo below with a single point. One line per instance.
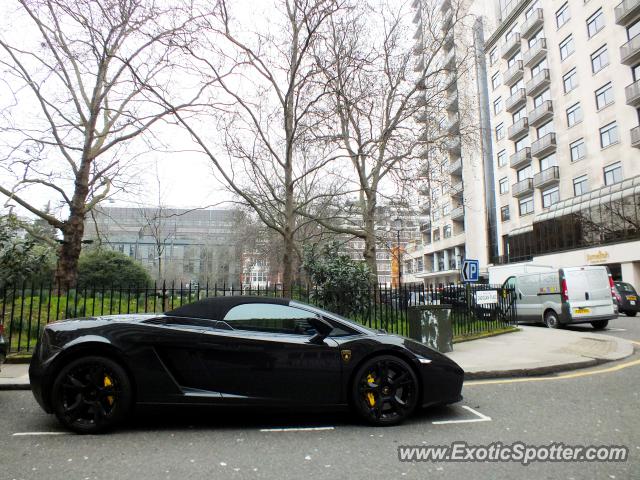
(475, 308)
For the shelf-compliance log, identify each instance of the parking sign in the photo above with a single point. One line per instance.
(470, 271)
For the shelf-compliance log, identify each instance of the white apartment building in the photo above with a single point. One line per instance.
(564, 107)
(456, 212)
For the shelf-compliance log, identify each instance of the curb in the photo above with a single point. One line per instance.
(15, 386)
(536, 371)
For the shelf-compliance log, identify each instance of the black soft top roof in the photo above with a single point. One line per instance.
(215, 308)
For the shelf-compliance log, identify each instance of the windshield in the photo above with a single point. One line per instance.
(624, 287)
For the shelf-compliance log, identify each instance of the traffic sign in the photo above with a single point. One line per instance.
(470, 271)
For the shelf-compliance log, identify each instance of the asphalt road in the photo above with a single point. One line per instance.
(575, 409)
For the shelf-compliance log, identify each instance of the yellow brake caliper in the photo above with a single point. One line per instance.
(371, 399)
(108, 383)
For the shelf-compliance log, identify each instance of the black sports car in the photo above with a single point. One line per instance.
(234, 351)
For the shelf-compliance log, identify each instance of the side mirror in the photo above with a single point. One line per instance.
(322, 328)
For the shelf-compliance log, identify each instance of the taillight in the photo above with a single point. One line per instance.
(565, 291)
(613, 288)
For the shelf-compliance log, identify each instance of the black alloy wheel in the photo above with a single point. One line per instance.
(385, 390)
(91, 394)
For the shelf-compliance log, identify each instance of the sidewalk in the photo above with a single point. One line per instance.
(531, 351)
(537, 351)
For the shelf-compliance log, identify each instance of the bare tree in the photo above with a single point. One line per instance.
(266, 91)
(79, 99)
(378, 95)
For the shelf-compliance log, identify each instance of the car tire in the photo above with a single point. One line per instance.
(91, 394)
(551, 319)
(385, 391)
(600, 324)
(631, 314)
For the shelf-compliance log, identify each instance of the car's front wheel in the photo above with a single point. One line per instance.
(385, 390)
(91, 394)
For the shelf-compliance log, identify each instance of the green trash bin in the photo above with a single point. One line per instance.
(432, 326)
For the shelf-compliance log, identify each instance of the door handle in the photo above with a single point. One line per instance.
(520, 295)
(586, 295)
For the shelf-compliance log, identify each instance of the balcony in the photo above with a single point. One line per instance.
(550, 176)
(544, 146)
(632, 92)
(455, 168)
(456, 190)
(450, 81)
(522, 188)
(425, 227)
(453, 126)
(511, 46)
(452, 102)
(541, 114)
(630, 51)
(535, 53)
(635, 137)
(531, 24)
(518, 129)
(521, 158)
(538, 82)
(627, 12)
(457, 214)
(453, 145)
(450, 61)
(516, 101)
(514, 73)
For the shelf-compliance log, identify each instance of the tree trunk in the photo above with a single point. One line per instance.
(69, 252)
(368, 212)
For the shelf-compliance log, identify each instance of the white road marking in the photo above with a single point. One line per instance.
(294, 429)
(616, 329)
(30, 434)
(481, 418)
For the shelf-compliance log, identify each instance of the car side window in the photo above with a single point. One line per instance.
(268, 317)
(510, 283)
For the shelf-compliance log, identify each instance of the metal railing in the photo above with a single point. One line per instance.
(546, 177)
(28, 308)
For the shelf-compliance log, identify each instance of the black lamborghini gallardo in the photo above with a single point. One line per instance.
(234, 351)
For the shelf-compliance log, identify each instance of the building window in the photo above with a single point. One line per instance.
(500, 132)
(574, 114)
(436, 235)
(514, 59)
(504, 185)
(550, 197)
(495, 80)
(497, 105)
(540, 99)
(525, 206)
(504, 213)
(570, 80)
(609, 135)
(538, 35)
(548, 162)
(446, 208)
(519, 114)
(522, 143)
(493, 56)
(567, 47)
(517, 86)
(524, 173)
(536, 69)
(599, 59)
(578, 150)
(595, 23)
(546, 128)
(604, 96)
(562, 15)
(446, 231)
(502, 158)
(613, 174)
(580, 185)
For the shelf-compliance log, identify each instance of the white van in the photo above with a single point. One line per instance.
(565, 296)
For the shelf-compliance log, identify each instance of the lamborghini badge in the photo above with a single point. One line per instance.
(346, 355)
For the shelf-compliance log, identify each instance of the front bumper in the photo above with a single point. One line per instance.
(442, 381)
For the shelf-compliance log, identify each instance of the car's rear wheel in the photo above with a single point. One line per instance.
(551, 319)
(600, 324)
(631, 313)
(91, 394)
(385, 390)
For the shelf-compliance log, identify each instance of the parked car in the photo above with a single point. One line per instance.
(4, 345)
(234, 351)
(566, 296)
(627, 298)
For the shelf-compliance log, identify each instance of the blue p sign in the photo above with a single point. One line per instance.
(470, 271)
